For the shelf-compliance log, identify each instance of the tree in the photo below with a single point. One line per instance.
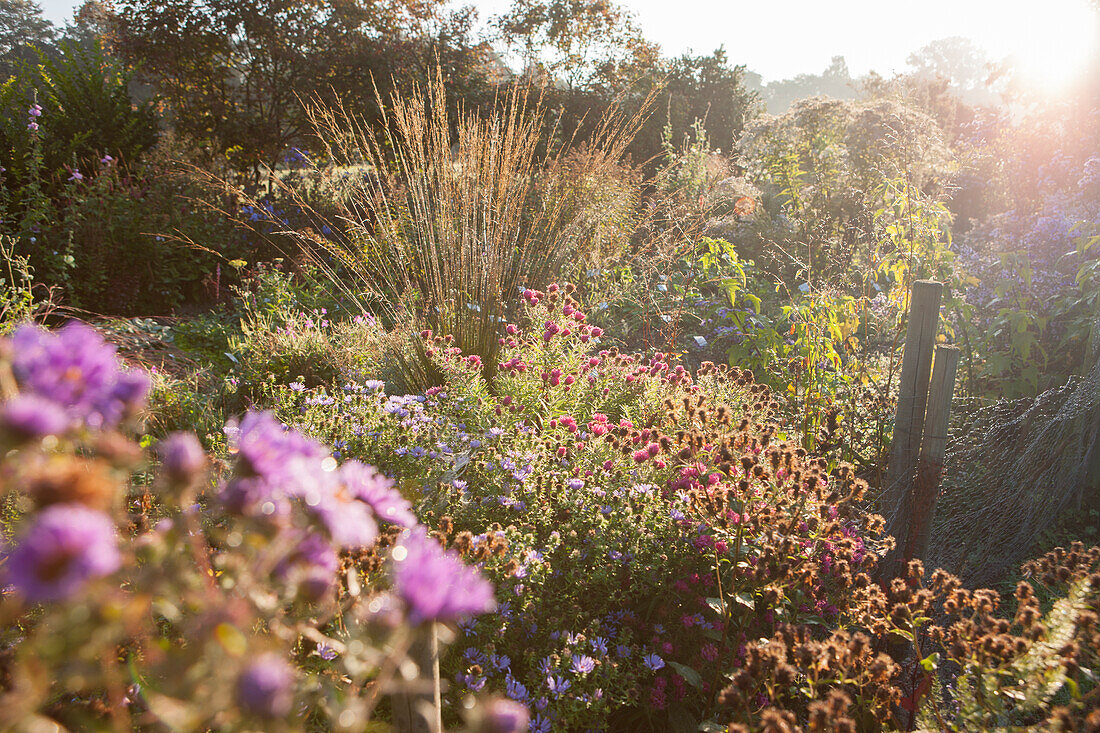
(960, 63)
(93, 21)
(23, 31)
(586, 45)
(86, 113)
(234, 73)
(835, 82)
(707, 88)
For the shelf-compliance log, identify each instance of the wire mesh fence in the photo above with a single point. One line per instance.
(1012, 469)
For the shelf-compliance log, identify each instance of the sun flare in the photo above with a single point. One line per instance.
(1061, 42)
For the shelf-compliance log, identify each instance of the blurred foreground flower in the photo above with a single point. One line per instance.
(66, 546)
(77, 371)
(435, 584)
(266, 687)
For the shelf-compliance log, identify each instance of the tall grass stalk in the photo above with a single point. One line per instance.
(449, 214)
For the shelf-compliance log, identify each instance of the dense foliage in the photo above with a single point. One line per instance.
(562, 392)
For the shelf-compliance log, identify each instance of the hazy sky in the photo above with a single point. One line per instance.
(782, 38)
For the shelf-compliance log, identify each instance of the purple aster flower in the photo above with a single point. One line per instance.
(254, 496)
(66, 546)
(311, 566)
(558, 685)
(435, 584)
(76, 176)
(182, 457)
(505, 716)
(35, 110)
(515, 689)
(367, 485)
(28, 416)
(583, 664)
(76, 369)
(267, 448)
(326, 652)
(266, 687)
(540, 724)
(652, 662)
(349, 521)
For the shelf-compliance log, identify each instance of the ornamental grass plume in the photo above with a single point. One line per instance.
(448, 215)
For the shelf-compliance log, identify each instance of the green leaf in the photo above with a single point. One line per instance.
(931, 662)
(745, 601)
(902, 633)
(690, 675)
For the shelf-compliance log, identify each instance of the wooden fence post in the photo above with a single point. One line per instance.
(921, 506)
(414, 711)
(916, 367)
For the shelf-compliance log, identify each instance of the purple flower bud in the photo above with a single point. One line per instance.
(29, 416)
(182, 457)
(66, 546)
(266, 687)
